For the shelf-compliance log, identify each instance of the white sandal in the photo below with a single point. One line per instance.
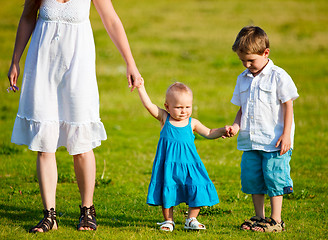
(193, 224)
(167, 226)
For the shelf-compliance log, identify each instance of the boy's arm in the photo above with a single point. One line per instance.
(153, 109)
(204, 131)
(233, 130)
(284, 141)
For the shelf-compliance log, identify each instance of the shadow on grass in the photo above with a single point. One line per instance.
(26, 217)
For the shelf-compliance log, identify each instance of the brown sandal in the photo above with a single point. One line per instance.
(45, 224)
(87, 218)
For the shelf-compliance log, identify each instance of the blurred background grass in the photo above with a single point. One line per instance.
(187, 41)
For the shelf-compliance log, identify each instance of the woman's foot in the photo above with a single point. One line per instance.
(87, 219)
(49, 222)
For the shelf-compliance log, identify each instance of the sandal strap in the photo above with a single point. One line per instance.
(87, 217)
(45, 224)
(270, 225)
(168, 224)
(193, 223)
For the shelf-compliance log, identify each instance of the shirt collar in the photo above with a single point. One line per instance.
(266, 70)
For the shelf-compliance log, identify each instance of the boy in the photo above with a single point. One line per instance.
(265, 94)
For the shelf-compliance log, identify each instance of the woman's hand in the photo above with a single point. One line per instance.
(133, 76)
(13, 74)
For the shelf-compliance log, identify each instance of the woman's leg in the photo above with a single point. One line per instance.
(47, 176)
(85, 171)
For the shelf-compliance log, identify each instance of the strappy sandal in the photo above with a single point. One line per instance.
(87, 218)
(269, 225)
(167, 226)
(193, 224)
(250, 223)
(48, 222)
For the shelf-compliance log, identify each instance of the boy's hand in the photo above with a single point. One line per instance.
(226, 133)
(285, 144)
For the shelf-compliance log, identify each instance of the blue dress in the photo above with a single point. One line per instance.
(179, 174)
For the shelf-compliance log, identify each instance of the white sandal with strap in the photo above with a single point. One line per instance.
(193, 224)
(167, 226)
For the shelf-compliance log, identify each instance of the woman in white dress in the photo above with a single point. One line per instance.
(59, 101)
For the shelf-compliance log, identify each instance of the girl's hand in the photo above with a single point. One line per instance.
(13, 74)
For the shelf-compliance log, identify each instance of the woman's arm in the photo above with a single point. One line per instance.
(24, 31)
(116, 32)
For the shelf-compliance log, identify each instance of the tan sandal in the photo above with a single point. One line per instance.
(250, 223)
(269, 225)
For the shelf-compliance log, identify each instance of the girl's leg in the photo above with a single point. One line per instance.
(193, 212)
(85, 171)
(47, 176)
(167, 213)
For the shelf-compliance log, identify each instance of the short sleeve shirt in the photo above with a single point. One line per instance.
(261, 98)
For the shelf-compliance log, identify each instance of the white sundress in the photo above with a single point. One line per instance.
(59, 101)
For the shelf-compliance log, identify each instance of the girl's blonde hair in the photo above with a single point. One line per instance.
(177, 87)
(251, 40)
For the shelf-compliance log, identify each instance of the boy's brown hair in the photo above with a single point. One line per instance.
(251, 40)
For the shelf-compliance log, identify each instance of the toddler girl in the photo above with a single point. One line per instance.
(178, 173)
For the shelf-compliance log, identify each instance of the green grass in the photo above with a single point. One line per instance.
(188, 41)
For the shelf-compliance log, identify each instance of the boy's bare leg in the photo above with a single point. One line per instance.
(85, 171)
(258, 201)
(276, 206)
(47, 175)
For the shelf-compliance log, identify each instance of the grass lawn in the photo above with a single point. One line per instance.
(187, 41)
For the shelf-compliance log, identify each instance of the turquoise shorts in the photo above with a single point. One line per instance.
(266, 173)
